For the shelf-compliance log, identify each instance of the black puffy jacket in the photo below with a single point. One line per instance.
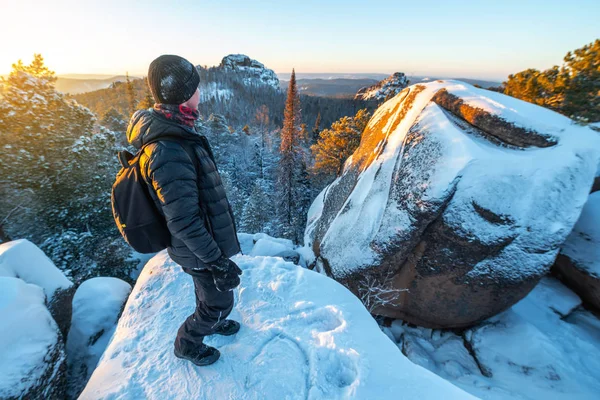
(195, 205)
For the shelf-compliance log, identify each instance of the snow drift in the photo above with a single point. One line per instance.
(454, 205)
(32, 357)
(97, 305)
(303, 336)
(545, 347)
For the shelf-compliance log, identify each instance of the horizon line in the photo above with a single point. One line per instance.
(140, 76)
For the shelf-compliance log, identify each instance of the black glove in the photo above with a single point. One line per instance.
(226, 274)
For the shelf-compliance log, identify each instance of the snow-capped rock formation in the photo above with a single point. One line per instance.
(253, 72)
(97, 305)
(578, 264)
(24, 260)
(454, 205)
(261, 244)
(385, 89)
(303, 336)
(546, 346)
(32, 357)
(235, 83)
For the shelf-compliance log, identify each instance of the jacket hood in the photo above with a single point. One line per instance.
(148, 125)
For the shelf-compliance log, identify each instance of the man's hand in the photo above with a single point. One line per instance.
(226, 274)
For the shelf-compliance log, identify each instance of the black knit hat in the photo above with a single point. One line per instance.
(172, 79)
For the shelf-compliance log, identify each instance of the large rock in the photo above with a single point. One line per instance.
(32, 357)
(578, 264)
(302, 336)
(23, 259)
(97, 305)
(454, 205)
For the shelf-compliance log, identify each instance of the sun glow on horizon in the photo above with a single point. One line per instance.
(475, 40)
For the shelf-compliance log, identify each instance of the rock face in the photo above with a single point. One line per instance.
(578, 264)
(302, 336)
(32, 356)
(454, 205)
(254, 71)
(385, 89)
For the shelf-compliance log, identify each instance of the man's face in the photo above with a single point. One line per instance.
(193, 101)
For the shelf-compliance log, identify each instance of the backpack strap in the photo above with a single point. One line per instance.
(125, 158)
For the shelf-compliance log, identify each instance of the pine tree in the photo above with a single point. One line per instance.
(571, 89)
(291, 184)
(131, 101)
(336, 144)
(148, 100)
(262, 121)
(317, 129)
(302, 198)
(256, 213)
(582, 71)
(304, 137)
(56, 172)
(114, 121)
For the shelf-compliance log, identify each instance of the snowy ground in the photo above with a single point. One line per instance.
(544, 347)
(303, 336)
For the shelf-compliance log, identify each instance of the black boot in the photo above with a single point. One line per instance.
(201, 355)
(228, 327)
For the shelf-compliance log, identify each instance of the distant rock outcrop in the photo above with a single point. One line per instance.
(254, 72)
(385, 89)
(236, 84)
(441, 217)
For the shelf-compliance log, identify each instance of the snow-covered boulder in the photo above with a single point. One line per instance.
(261, 244)
(303, 336)
(578, 264)
(454, 205)
(545, 347)
(385, 89)
(23, 259)
(97, 305)
(32, 357)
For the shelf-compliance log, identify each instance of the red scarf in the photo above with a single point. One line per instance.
(179, 113)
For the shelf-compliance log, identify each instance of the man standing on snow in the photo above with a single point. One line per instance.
(185, 185)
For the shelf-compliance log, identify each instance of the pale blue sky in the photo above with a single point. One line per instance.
(478, 39)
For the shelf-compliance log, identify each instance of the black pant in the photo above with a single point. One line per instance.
(212, 307)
